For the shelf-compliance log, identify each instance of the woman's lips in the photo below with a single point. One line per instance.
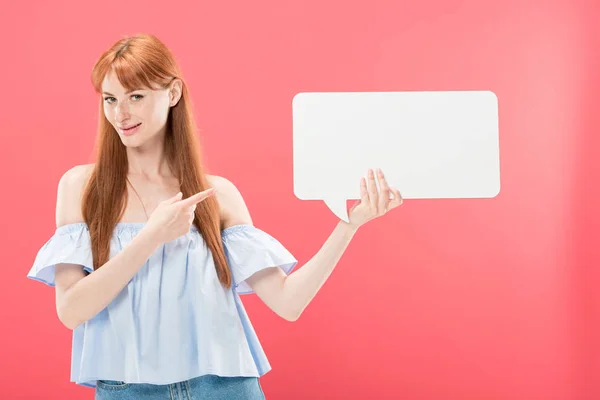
(130, 131)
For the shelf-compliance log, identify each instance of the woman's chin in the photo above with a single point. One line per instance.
(131, 141)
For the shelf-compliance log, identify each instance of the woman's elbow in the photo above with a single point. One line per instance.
(290, 315)
(66, 318)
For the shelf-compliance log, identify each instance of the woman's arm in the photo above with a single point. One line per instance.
(79, 297)
(289, 295)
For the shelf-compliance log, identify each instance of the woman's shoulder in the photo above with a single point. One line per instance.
(231, 203)
(78, 174)
(217, 181)
(70, 192)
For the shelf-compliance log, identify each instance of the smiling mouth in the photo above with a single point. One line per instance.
(131, 127)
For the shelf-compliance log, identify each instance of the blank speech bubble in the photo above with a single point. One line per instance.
(430, 145)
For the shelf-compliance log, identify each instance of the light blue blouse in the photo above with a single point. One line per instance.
(174, 320)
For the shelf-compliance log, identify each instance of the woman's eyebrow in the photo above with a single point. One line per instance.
(125, 92)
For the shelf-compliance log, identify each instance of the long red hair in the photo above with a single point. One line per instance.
(144, 61)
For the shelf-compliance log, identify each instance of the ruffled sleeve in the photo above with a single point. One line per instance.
(69, 244)
(249, 250)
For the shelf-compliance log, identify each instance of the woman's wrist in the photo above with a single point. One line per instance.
(149, 235)
(348, 227)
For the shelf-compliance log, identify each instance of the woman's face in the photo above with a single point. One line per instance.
(144, 109)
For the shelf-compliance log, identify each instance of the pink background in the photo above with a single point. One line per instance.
(443, 299)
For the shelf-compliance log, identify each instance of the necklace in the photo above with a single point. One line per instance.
(138, 196)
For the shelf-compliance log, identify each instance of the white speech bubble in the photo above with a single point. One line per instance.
(434, 144)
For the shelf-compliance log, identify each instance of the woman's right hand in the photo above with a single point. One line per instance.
(174, 217)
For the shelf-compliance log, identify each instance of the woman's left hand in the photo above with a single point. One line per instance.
(373, 204)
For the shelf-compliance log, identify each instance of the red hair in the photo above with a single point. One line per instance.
(144, 61)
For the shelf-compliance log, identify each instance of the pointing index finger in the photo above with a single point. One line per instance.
(196, 198)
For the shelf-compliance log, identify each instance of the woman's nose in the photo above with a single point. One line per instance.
(122, 111)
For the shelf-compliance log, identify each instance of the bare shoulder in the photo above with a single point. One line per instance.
(69, 194)
(233, 207)
(219, 182)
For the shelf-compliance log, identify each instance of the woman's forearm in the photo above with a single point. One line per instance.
(301, 286)
(91, 294)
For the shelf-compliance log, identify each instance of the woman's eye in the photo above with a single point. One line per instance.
(106, 99)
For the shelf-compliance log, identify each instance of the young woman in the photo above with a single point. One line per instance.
(150, 254)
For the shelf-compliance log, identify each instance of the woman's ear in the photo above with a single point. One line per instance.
(175, 92)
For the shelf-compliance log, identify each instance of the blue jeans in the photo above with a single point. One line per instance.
(206, 387)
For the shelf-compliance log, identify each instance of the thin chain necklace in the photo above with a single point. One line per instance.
(138, 196)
